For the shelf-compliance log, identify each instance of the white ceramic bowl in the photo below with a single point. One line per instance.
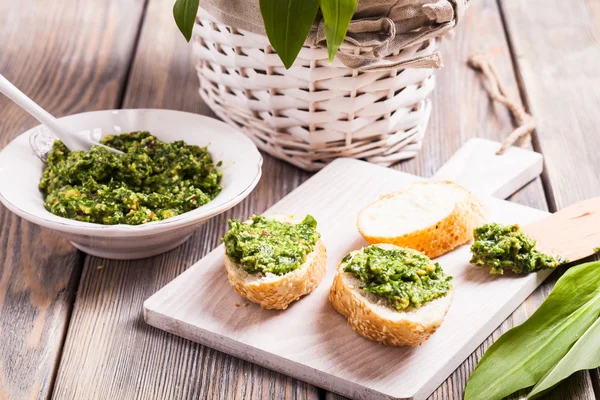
(21, 170)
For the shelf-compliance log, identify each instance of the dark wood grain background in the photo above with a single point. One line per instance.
(71, 325)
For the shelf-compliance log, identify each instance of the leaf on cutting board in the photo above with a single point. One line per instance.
(287, 23)
(524, 354)
(585, 354)
(337, 15)
(184, 12)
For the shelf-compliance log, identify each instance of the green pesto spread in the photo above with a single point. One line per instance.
(264, 245)
(499, 247)
(152, 181)
(404, 277)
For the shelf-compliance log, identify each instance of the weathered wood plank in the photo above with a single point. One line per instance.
(558, 56)
(110, 352)
(595, 14)
(555, 46)
(69, 59)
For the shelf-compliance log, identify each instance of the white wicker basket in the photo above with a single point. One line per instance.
(314, 112)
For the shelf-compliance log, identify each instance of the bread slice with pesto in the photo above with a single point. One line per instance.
(274, 260)
(431, 217)
(382, 311)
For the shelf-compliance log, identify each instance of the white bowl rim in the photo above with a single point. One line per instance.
(191, 217)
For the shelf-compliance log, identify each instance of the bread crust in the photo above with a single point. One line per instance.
(439, 238)
(278, 291)
(395, 328)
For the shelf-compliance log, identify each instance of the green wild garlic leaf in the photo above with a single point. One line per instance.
(288, 23)
(185, 12)
(585, 354)
(524, 354)
(337, 15)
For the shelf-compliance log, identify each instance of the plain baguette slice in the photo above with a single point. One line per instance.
(375, 319)
(278, 291)
(430, 217)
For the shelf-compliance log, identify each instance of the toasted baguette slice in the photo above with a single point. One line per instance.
(375, 319)
(430, 217)
(278, 291)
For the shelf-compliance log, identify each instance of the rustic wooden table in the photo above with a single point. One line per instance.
(71, 325)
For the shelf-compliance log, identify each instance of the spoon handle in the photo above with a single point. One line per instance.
(13, 93)
(571, 232)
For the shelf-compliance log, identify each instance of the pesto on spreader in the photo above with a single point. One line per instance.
(264, 245)
(404, 277)
(152, 181)
(499, 247)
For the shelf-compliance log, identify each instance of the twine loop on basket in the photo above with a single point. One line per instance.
(497, 91)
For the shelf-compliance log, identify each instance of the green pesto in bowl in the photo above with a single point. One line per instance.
(267, 246)
(499, 247)
(152, 181)
(404, 277)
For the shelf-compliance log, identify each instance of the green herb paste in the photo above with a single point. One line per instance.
(152, 181)
(404, 277)
(267, 246)
(499, 247)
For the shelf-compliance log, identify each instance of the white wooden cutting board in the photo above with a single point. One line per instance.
(310, 340)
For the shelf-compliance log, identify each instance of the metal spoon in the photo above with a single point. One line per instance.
(72, 139)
